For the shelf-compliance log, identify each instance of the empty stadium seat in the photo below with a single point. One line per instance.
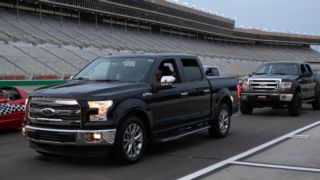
(64, 48)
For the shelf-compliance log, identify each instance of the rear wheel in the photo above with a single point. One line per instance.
(295, 105)
(245, 107)
(221, 123)
(130, 141)
(316, 103)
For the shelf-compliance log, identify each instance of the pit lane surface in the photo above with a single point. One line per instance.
(161, 161)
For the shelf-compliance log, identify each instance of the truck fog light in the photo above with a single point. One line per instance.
(286, 97)
(97, 136)
(93, 137)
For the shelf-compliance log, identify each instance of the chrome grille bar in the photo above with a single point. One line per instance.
(54, 111)
(265, 84)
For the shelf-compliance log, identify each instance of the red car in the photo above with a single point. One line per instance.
(12, 107)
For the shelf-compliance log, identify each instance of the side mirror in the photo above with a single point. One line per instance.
(71, 77)
(167, 80)
(251, 74)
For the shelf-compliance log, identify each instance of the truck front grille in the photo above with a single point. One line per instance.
(264, 85)
(54, 112)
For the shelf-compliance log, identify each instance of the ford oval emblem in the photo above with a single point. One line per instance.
(48, 111)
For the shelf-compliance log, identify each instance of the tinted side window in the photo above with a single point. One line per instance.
(191, 70)
(212, 72)
(215, 72)
(303, 69)
(308, 68)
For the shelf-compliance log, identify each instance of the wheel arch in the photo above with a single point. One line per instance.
(298, 90)
(134, 107)
(227, 101)
(225, 97)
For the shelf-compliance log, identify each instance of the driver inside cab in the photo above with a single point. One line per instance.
(3, 97)
(163, 73)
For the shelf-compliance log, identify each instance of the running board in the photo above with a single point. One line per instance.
(308, 100)
(182, 135)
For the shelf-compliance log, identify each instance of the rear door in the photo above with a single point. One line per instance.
(198, 95)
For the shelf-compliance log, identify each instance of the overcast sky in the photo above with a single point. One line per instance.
(290, 15)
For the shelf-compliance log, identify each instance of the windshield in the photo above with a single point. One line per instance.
(116, 69)
(279, 68)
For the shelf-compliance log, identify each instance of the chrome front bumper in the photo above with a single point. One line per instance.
(281, 97)
(79, 137)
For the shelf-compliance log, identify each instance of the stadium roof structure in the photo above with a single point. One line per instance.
(163, 17)
(192, 10)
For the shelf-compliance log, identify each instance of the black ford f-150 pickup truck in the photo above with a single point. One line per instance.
(120, 103)
(281, 84)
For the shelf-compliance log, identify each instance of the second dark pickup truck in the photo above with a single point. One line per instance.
(121, 103)
(281, 85)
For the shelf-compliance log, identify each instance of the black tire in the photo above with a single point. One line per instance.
(127, 148)
(295, 105)
(245, 107)
(316, 103)
(221, 123)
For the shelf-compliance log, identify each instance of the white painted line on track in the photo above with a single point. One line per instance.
(276, 166)
(246, 153)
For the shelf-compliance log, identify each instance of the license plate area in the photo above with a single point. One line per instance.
(262, 97)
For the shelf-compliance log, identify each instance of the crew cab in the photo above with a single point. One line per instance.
(281, 84)
(120, 103)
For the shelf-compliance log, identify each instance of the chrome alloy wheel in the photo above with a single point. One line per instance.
(133, 140)
(224, 121)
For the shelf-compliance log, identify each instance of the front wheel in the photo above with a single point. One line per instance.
(221, 123)
(245, 107)
(295, 105)
(130, 141)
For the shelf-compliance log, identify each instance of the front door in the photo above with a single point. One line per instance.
(167, 105)
(307, 82)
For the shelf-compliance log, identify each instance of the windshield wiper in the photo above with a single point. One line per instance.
(259, 73)
(81, 78)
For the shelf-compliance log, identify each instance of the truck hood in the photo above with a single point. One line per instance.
(275, 76)
(87, 90)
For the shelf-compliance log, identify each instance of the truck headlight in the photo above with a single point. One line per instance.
(245, 86)
(285, 86)
(102, 107)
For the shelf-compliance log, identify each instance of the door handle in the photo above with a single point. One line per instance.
(206, 91)
(184, 94)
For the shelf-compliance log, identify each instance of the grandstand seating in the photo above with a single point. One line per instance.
(33, 47)
(8, 68)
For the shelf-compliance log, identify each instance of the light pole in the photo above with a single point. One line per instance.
(18, 13)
